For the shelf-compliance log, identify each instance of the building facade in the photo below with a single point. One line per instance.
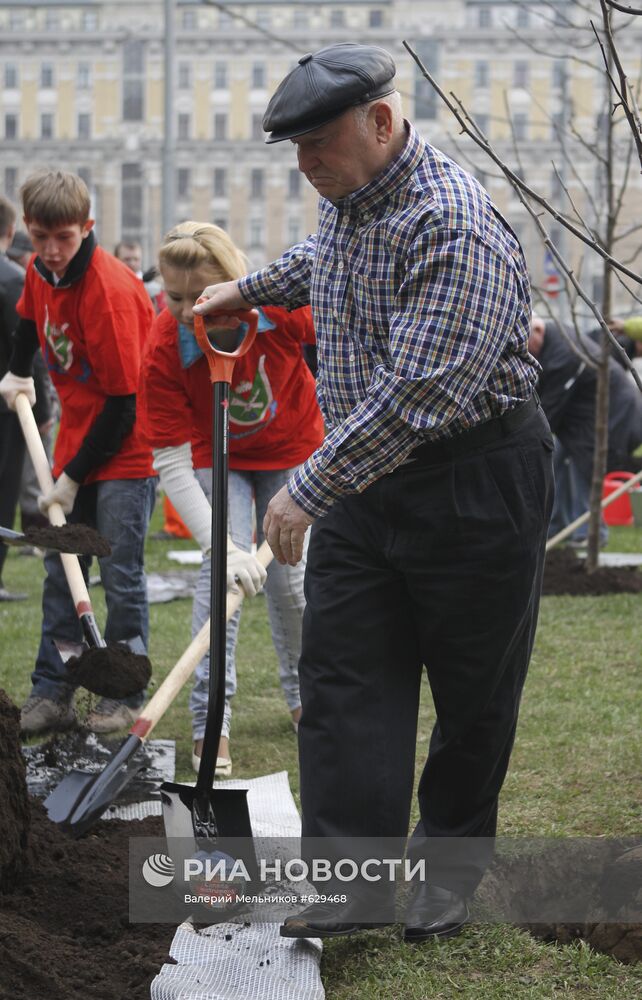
(83, 88)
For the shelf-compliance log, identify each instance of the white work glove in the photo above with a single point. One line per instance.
(63, 492)
(11, 385)
(244, 568)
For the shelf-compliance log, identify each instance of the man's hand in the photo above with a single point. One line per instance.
(285, 525)
(63, 492)
(220, 298)
(242, 566)
(11, 385)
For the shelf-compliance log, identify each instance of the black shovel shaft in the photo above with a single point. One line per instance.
(218, 597)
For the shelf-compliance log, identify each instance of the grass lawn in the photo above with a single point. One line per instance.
(575, 771)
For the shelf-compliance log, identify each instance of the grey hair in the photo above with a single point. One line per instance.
(360, 113)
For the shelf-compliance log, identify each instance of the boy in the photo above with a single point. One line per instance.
(90, 315)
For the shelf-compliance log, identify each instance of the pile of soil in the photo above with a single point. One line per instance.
(14, 801)
(64, 930)
(111, 671)
(78, 539)
(565, 573)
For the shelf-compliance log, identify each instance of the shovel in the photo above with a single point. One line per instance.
(79, 800)
(200, 812)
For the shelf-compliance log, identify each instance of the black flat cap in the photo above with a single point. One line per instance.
(20, 246)
(326, 83)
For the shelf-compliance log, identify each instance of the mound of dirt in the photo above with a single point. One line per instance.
(14, 808)
(565, 573)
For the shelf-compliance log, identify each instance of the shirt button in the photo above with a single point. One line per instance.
(352, 357)
(339, 265)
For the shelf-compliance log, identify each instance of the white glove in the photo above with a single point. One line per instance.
(174, 466)
(63, 492)
(244, 568)
(11, 385)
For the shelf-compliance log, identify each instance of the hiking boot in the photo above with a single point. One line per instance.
(110, 715)
(42, 715)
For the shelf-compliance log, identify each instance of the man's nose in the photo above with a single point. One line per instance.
(306, 159)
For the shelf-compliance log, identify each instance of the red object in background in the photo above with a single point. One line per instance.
(173, 523)
(619, 512)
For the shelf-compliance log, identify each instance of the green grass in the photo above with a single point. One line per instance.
(574, 771)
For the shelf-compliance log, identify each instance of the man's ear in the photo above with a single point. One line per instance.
(382, 118)
(87, 228)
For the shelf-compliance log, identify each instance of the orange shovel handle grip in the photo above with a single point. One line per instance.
(222, 363)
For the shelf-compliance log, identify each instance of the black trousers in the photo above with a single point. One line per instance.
(12, 450)
(438, 564)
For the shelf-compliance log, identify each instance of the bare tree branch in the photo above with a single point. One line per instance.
(470, 128)
(621, 7)
(623, 89)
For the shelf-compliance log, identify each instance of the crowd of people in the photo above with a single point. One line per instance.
(413, 480)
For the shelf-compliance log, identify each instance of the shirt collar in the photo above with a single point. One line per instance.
(395, 174)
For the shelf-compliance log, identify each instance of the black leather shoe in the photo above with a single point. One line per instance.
(434, 912)
(324, 920)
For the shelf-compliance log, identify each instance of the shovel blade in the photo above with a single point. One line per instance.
(82, 797)
(69, 649)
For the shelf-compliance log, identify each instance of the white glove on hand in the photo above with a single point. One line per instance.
(63, 492)
(11, 385)
(244, 568)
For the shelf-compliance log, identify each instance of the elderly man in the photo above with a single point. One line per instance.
(430, 496)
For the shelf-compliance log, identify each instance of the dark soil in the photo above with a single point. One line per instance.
(14, 802)
(64, 930)
(112, 671)
(565, 573)
(75, 538)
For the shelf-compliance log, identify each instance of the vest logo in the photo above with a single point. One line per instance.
(251, 402)
(59, 343)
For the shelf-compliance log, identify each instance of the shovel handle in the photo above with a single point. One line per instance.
(186, 665)
(35, 447)
(222, 362)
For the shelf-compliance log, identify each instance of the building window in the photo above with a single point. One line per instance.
(294, 231)
(189, 20)
(256, 233)
(485, 17)
(46, 125)
(557, 125)
(16, 20)
(132, 200)
(221, 221)
(183, 182)
(184, 128)
(46, 76)
(220, 182)
(184, 76)
(520, 126)
(375, 19)
(294, 184)
(263, 18)
(85, 175)
(337, 19)
(300, 19)
(257, 183)
(52, 21)
(11, 182)
(425, 96)
(11, 126)
(481, 73)
(220, 125)
(520, 74)
(84, 126)
(559, 75)
(133, 81)
(11, 77)
(482, 121)
(257, 126)
(225, 19)
(258, 76)
(83, 76)
(220, 76)
(89, 20)
(523, 17)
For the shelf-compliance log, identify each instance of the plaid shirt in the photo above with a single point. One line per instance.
(421, 303)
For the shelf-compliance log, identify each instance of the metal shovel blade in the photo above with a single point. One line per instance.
(10, 537)
(229, 805)
(82, 797)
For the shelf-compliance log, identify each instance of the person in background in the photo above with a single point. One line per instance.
(274, 425)
(430, 496)
(131, 255)
(90, 316)
(12, 446)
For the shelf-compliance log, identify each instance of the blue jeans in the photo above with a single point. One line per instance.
(120, 510)
(284, 591)
(572, 495)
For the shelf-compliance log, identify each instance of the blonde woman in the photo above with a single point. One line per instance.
(275, 424)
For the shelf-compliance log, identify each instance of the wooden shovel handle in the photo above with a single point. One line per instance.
(186, 665)
(35, 447)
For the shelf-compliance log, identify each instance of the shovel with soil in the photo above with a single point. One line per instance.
(114, 667)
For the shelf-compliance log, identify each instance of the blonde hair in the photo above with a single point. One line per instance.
(55, 198)
(201, 244)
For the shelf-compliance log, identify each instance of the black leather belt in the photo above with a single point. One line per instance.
(433, 452)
